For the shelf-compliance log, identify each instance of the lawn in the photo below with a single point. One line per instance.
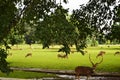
(47, 59)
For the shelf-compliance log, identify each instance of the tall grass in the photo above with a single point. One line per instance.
(47, 59)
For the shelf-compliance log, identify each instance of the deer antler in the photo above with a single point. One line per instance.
(91, 60)
(96, 64)
(100, 61)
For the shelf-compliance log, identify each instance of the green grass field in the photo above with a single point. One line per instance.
(47, 59)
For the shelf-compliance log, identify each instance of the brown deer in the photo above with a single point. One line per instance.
(85, 70)
(9, 54)
(28, 54)
(62, 56)
(101, 53)
(116, 53)
(72, 52)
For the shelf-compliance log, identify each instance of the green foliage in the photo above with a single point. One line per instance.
(37, 9)
(97, 14)
(15, 38)
(3, 63)
(7, 15)
(56, 29)
(114, 33)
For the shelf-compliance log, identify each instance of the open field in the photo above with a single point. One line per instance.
(47, 59)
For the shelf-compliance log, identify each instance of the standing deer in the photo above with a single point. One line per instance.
(28, 54)
(62, 56)
(101, 53)
(85, 70)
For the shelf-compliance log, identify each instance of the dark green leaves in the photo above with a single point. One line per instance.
(7, 15)
(3, 63)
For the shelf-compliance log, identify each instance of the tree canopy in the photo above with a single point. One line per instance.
(53, 25)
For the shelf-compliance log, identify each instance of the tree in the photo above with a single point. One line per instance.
(114, 32)
(56, 29)
(97, 15)
(11, 15)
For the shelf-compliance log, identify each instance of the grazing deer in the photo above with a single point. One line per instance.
(85, 70)
(28, 54)
(101, 53)
(62, 56)
(72, 52)
(116, 53)
(9, 54)
(108, 46)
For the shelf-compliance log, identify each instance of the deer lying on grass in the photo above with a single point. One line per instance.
(85, 70)
(62, 56)
(101, 53)
(116, 53)
(28, 54)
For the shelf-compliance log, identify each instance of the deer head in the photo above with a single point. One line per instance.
(94, 65)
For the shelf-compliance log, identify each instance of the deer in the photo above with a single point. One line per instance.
(62, 56)
(86, 70)
(116, 53)
(72, 52)
(28, 54)
(101, 53)
(9, 54)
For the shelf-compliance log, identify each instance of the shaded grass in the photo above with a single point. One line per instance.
(47, 59)
(21, 74)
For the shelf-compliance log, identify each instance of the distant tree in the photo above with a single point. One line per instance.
(29, 39)
(15, 39)
(29, 34)
(114, 34)
(98, 16)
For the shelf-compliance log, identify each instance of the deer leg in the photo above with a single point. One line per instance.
(88, 77)
(75, 76)
(78, 77)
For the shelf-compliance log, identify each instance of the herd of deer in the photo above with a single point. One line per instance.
(66, 56)
(84, 70)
